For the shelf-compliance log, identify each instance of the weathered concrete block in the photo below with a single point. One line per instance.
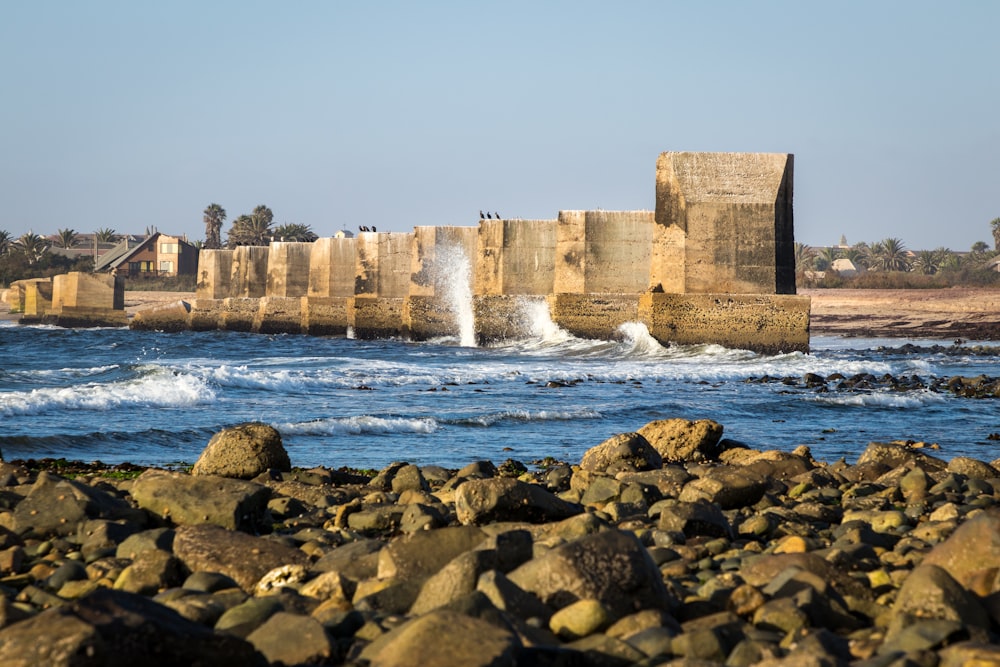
(288, 268)
(215, 274)
(86, 300)
(331, 268)
(593, 315)
(515, 257)
(505, 317)
(278, 314)
(603, 251)
(735, 210)
(239, 313)
(327, 315)
(382, 264)
(36, 297)
(249, 272)
(207, 314)
(171, 317)
(376, 317)
(760, 322)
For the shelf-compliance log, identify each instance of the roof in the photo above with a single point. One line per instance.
(125, 250)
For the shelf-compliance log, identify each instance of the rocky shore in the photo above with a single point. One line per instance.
(667, 546)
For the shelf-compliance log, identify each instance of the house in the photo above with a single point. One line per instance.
(157, 255)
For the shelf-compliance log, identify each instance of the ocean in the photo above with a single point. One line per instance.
(149, 398)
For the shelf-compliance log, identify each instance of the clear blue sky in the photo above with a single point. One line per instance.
(395, 114)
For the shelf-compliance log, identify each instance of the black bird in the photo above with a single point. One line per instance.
(496, 215)
(481, 216)
(373, 228)
(489, 216)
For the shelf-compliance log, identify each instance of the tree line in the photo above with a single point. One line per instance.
(255, 228)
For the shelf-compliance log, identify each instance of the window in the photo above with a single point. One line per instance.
(166, 267)
(169, 248)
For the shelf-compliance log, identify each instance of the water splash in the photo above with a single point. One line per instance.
(454, 278)
(538, 322)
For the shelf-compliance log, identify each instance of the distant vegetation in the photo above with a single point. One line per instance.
(887, 264)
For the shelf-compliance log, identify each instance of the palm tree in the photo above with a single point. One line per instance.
(5, 241)
(105, 235)
(291, 231)
(950, 261)
(253, 229)
(995, 227)
(927, 262)
(826, 258)
(67, 238)
(980, 247)
(805, 257)
(890, 255)
(215, 215)
(860, 255)
(32, 246)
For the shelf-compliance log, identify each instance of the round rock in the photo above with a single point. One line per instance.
(243, 452)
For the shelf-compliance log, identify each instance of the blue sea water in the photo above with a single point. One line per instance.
(117, 395)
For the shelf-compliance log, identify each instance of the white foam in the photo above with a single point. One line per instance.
(359, 425)
(529, 416)
(156, 388)
(914, 399)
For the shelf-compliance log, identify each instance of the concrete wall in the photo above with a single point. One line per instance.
(603, 252)
(85, 300)
(735, 211)
(710, 264)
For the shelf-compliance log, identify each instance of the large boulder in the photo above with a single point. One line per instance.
(894, 455)
(680, 440)
(117, 628)
(972, 553)
(243, 452)
(728, 487)
(480, 501)
(187, 500)
(611, 566)
(625, 452)
(244, 558)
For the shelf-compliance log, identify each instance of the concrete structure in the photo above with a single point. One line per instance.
(76, 300)
(713, 263)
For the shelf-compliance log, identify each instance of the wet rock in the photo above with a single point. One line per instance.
(611, 567)
(470, 642)
(680, 440)
(242, 557)
(192, 500)
(727, 487)
(113, 627)
(243, 452)
(504, 499)
(59, 506)
(893, 455)
(972, 549)
(625, 452)
(695, 518)
(291, 639)
(973, 468)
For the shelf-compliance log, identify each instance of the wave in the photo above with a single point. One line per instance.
(523, 416)
(364, 424)
(157, 387)
(880, 399)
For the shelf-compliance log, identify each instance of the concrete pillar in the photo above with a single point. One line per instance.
(735, 211)
(249, 272)
(382, 281)
(328, 307)
(288, 269)
(515, 263)
(215, 274)
(87, 300)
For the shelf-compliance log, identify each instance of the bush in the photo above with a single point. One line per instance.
(160, 283)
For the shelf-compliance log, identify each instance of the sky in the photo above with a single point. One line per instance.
(133, 115)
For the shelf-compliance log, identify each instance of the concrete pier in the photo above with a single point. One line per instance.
(713, 263)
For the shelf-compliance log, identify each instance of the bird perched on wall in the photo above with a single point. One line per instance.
(496, 215)
(481, 216)
(488, 216)
(373, 228)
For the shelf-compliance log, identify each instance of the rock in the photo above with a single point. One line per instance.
(695, 518)
(244, 558)
(725, 486)
(579, 619)
(243, 452)
(480, 501)
(973, 468)
(470, 642)
(356, 560)
(972, 549)
(509, 597)
(611, 567)
(193, 500)
(57, 506)
(291, 639)
(453, 581)
(679, 440)
(930, 592)
(893, 455)
(422, 554)
(625, 452)
(118, 628)
(150, 572)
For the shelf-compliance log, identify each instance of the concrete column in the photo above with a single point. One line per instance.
(441, 282)
(249, 272)
(215, 274)
(288, 269)
(735, 210)
(382, 281)
(327, 310)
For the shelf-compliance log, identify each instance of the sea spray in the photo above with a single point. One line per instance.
(454, 279)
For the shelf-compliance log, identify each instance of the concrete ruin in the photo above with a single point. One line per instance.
(73, 299)
(714, 263)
